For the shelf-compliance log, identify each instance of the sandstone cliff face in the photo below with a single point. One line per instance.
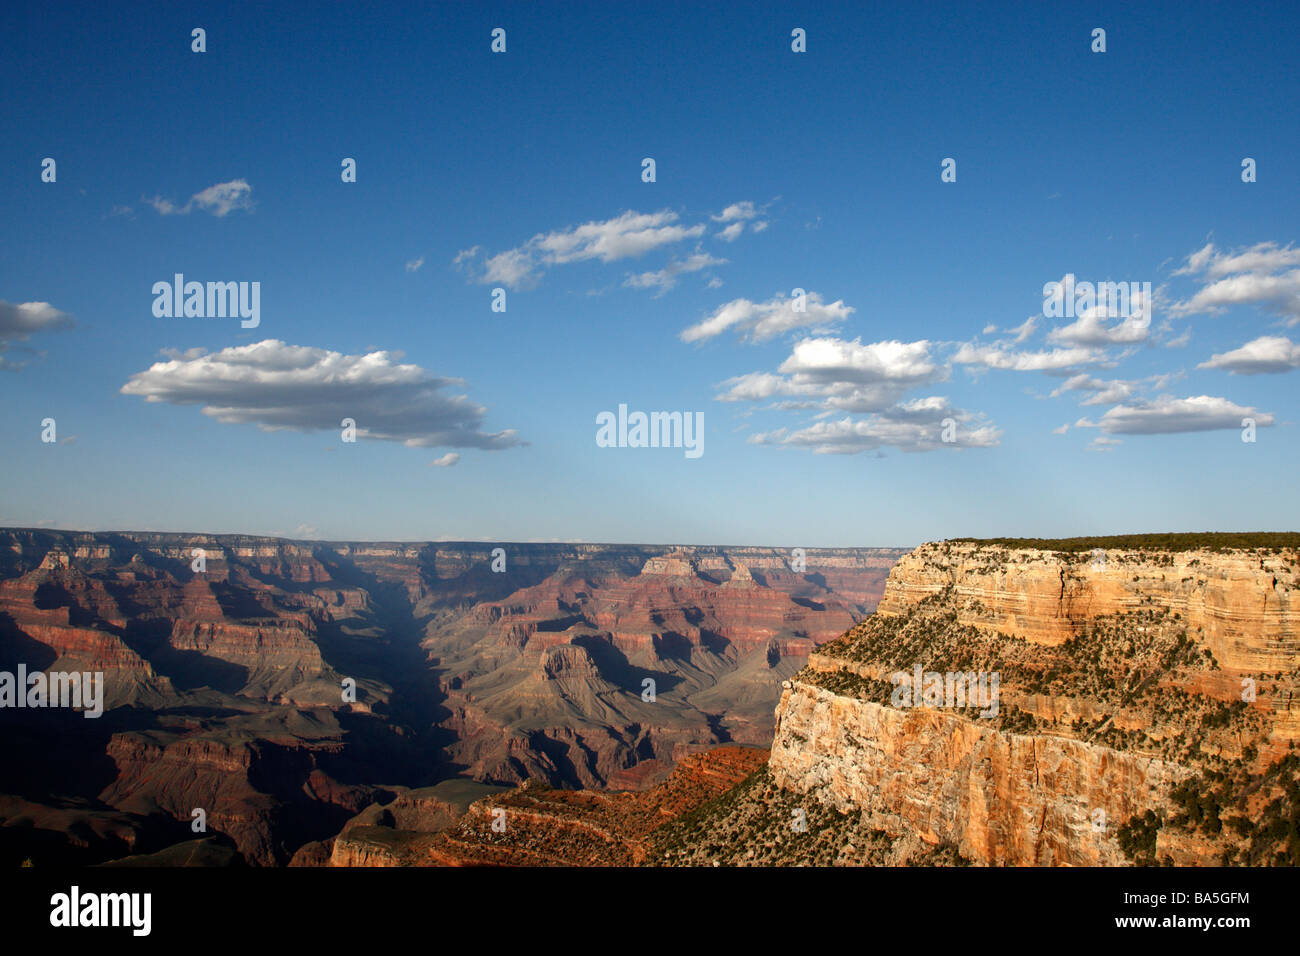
(1122, 682)
(1244, 602)
(1001, 798)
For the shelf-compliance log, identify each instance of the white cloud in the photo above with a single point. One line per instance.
(626, 236)
(737, 215)
(849, 436)
(221, 199)
(835, 360)
(666, 278)
(1254, 276)
(737, 212)
(1103, 391)
(832, 374)
(828, 375)
(1266, 354)
(1167, 415)
(19, 320)
(300, 388)
(447, 460)
(1278, 292)
(1022, 331)
(1025, 329)
(414, 264)
(1197, 261)
(1261, 257)
(1061, 430)
(999, 357)
(1090, 329)
(760, 321)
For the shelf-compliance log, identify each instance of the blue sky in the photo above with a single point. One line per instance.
(523, 171)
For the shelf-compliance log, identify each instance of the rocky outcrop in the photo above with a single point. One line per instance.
(535, 825)
(676, 565)
(1123, 681)
(1001, 798)
(1245, 603)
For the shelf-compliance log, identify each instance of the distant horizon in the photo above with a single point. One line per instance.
(647, 544)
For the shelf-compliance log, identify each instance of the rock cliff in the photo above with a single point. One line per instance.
(1131, 683)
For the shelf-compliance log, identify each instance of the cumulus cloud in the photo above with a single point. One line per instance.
(850, 436)
(737, 216)
(300, 388)
(1265, 274)
(1100, 391)
(18, 321)
(1091, 328)
(834, 374)
(1261, 257)
(1001, 357)
(1264, 355)
(665, 278)
(413, 265)
(737, 212)
(219, 200)
(760, 321)
(447, 460)
(1166, 415)
(626, 236)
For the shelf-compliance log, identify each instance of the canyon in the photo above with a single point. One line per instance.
(260, 694)
(658, 706)
(1147, 716)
